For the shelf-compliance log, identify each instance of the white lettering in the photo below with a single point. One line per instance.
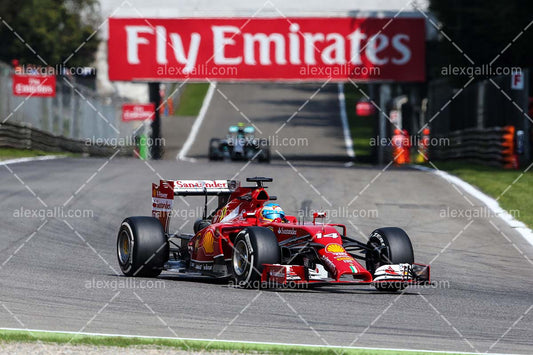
(294, 44)
(402, 48)
(375, 45)
(334, 53)
(264, 48)
(309, 46)
(161, 45)
(220, 41)
(355, 46)
(133, 41)
(179, 52)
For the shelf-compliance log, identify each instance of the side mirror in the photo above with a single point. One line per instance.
(248, 215)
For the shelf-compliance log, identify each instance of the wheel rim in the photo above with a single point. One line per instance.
(124, 248)
(240, 258)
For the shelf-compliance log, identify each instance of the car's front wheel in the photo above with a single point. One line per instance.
(253, 247)
(389, 245)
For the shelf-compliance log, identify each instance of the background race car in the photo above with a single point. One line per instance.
(240, 144)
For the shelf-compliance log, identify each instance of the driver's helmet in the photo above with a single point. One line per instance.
(240, 127)
(270, 212)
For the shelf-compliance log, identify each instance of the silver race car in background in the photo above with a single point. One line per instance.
(240, 144)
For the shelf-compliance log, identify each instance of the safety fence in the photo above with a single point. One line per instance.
(23, 136)
(488, 146)
(72, 120)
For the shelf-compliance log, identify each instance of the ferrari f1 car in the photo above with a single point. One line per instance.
(240, 144)
(250, 240)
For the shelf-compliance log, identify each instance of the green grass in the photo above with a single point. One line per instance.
(493, 181)
(191, 99)
(511, 188)
(12, 153)
(362, 128)
(190, 345)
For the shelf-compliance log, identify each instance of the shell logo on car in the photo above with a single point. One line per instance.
(335, 248)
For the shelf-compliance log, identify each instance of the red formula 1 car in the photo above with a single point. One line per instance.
(250, 240)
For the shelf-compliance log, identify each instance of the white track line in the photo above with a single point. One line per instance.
(344, 119)
(24, 160)
(491, 203)
(239, 341)
(182, 155)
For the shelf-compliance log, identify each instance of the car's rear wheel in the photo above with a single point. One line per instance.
(389, 245)
(142, 248)
(214, 147)
(253, 247)
(265, 154)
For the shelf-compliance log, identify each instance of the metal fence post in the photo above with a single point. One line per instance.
(526, 120)
(60, 117)
(481, 103)
(72, 114)
(384, 98)
(155, 97)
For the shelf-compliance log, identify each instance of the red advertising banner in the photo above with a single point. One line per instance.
(287, 49)
(34, 85)
(137, 112)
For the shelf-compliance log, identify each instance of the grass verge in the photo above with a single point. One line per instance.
(189, 345)
(12, 153)
(191, 99)
(361, 128)
(512, 188)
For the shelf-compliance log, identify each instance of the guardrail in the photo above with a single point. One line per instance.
(489, 146)
(23, 136)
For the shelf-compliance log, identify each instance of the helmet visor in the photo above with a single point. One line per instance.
(273, 214)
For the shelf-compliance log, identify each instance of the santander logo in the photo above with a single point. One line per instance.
(286, 231)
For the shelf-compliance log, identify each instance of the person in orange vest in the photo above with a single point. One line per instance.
(398, 150)
(509, 156)
(406, 147)
(423, 147)
(167, 107)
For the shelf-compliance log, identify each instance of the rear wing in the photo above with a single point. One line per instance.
(163, 195)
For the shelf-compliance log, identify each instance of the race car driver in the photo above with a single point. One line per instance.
(272, 212)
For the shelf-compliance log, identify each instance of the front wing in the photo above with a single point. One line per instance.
(286, 275)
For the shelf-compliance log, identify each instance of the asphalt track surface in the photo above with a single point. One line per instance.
(301, 121)
(61, 273)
